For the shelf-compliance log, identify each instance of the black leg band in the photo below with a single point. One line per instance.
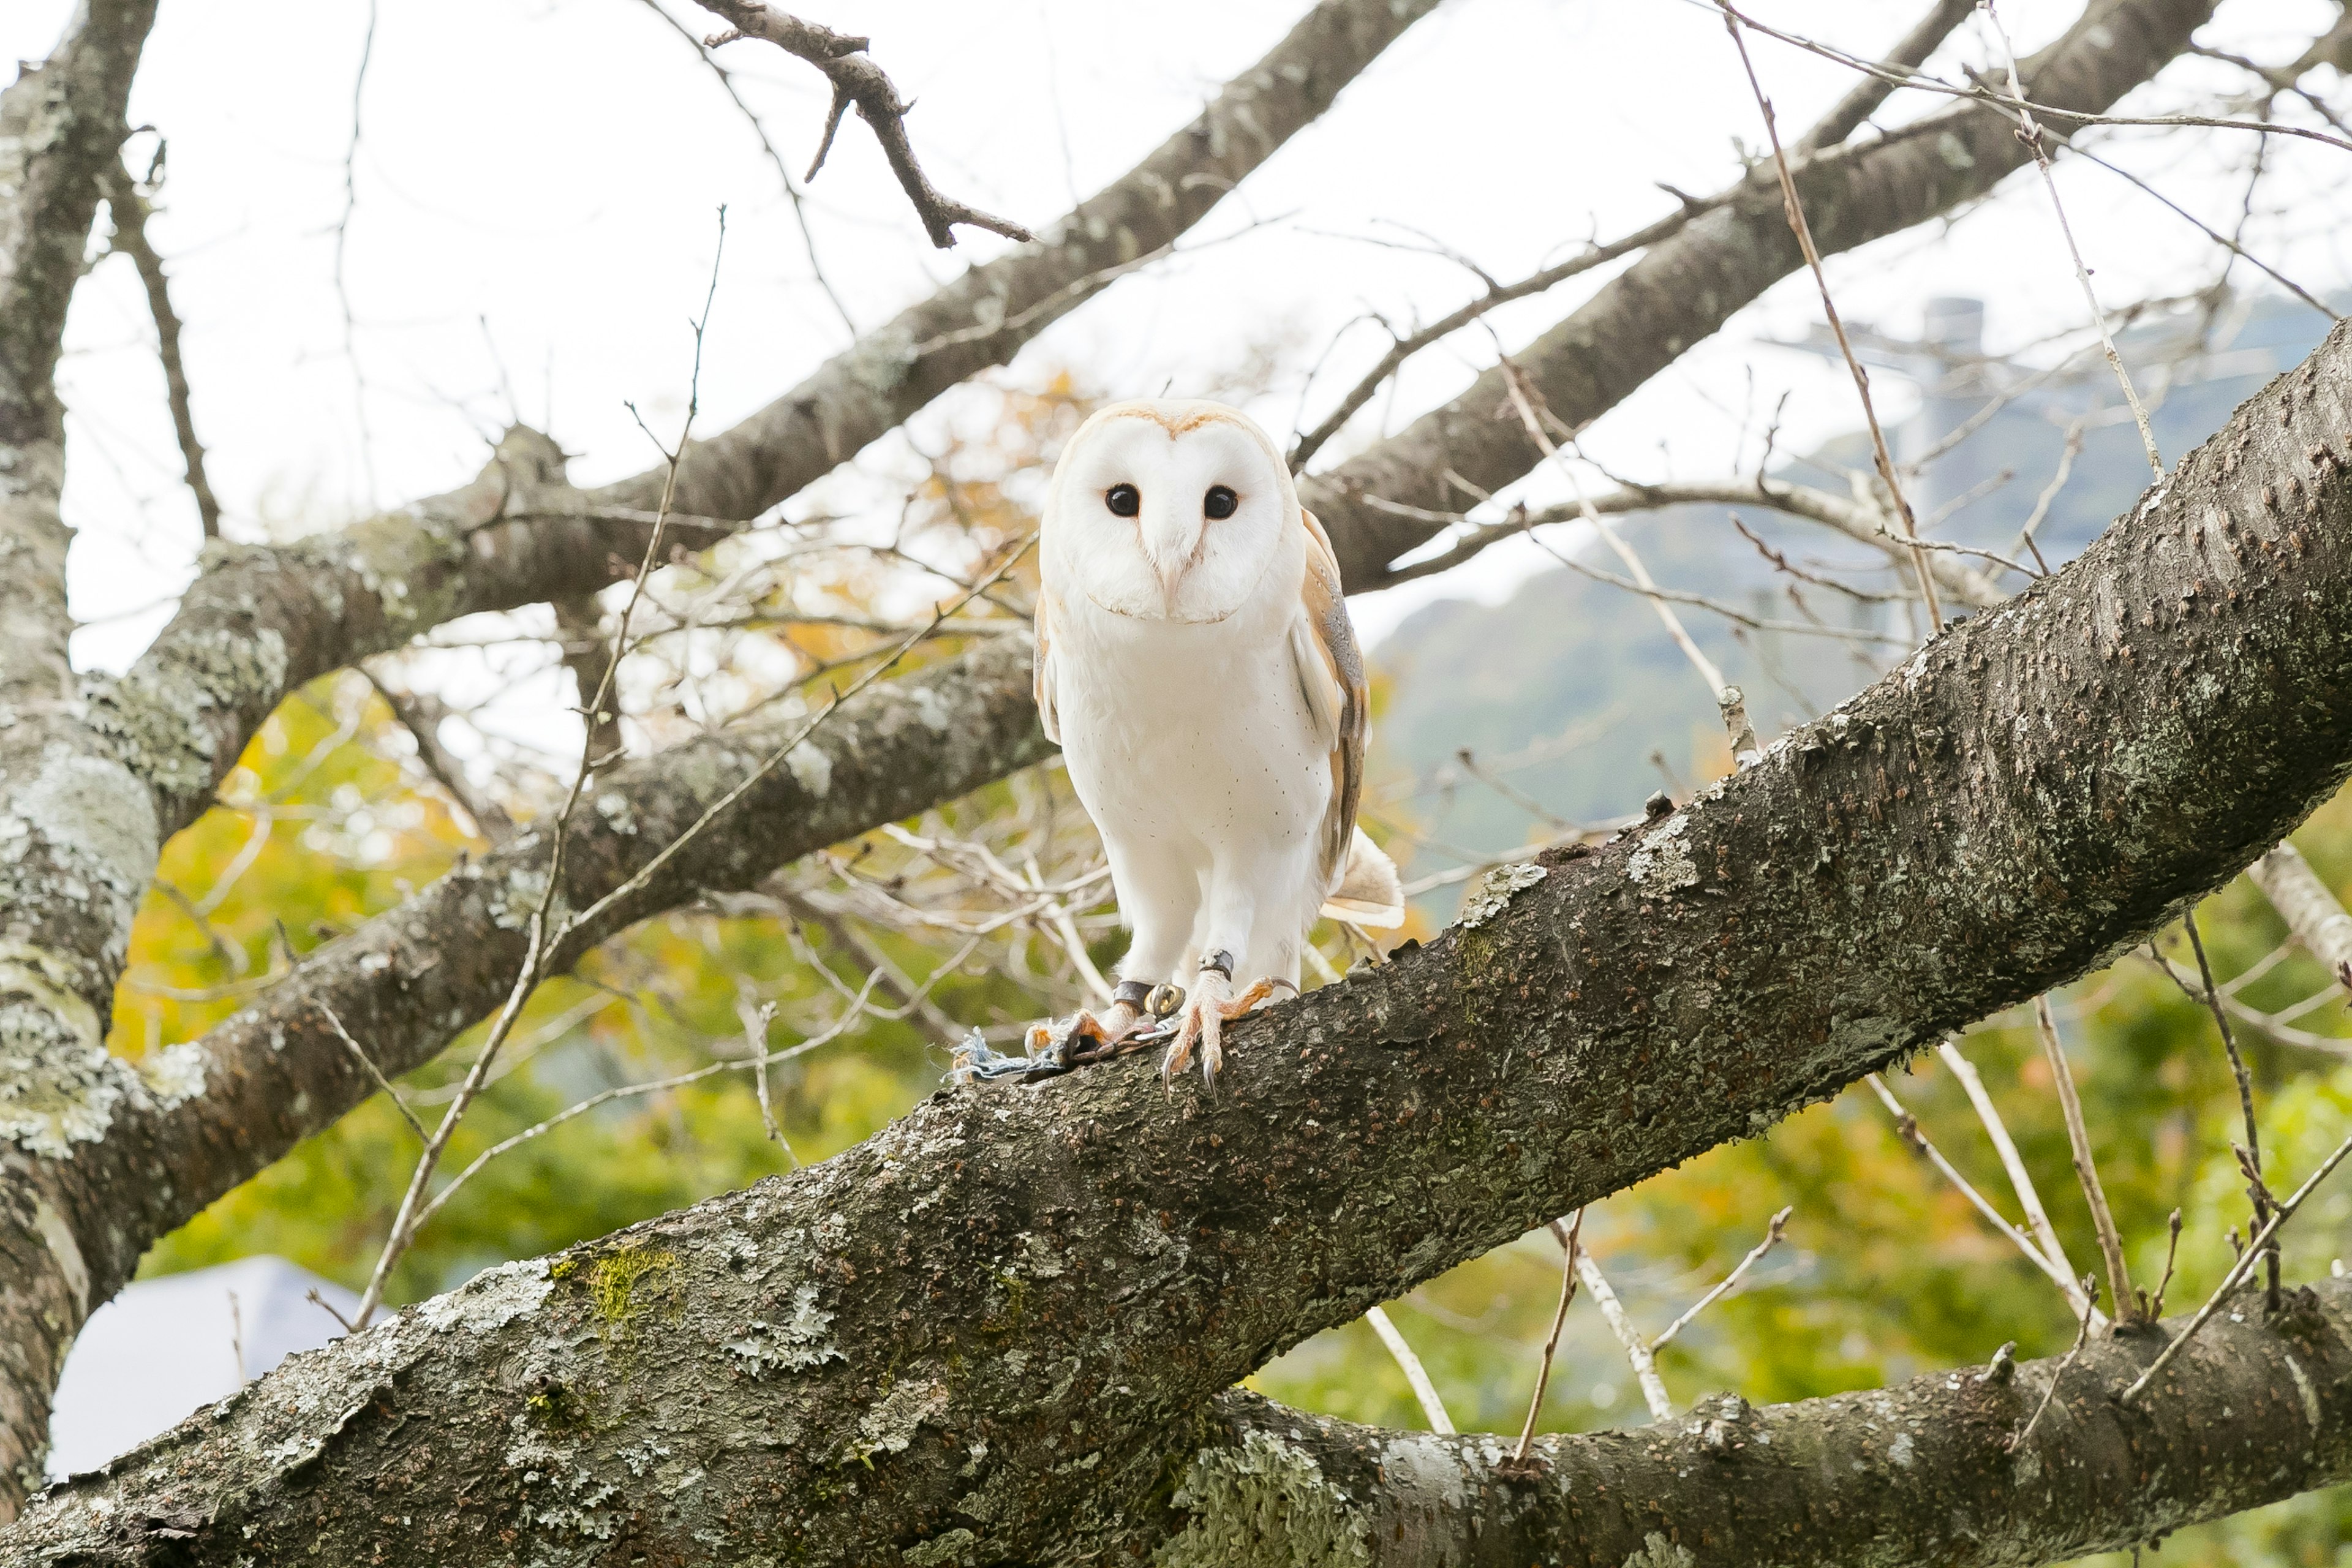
(1135, 994)
(1221, 960)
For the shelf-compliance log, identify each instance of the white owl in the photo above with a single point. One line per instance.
(1196, 664)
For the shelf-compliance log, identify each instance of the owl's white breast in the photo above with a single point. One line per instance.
(1191, 736)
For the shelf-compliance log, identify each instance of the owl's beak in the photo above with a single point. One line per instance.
(1172, 542)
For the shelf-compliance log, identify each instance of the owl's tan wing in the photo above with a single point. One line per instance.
(1331, 674)
(1048, 714)
(1363, 881)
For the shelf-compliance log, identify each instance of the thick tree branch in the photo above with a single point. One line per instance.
(1922, 1472)
(1009, 1314)
(1685, 287)
(407, 981)
(72, 872)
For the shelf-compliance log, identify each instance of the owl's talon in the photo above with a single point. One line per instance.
(1203, 1020)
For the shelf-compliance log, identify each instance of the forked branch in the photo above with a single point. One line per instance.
(857, 80)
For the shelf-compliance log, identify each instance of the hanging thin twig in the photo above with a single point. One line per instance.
(2252, 1154)
(1795, 209)
(1569, 1236)
(2029, 132)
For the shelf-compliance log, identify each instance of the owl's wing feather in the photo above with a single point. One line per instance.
(1048, 714)
(1331, 674)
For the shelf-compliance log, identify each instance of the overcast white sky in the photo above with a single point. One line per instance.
(543, 175)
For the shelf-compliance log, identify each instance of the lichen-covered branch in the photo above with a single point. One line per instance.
(1682, 289)
(995, 1331)
(71, 869)
(1921, 1472)
(407, 981)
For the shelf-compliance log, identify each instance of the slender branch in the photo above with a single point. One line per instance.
(2021, 1180)
(1771, 1239)
(1794, 205)
(2252, 1154)
(2029, 132)
(856, 79)
(1637, 1349)
(2086, 1170)
(1907, 1127)
(759, 129)
(1571, 1236)
(2082, 1338)
(133, 207)
(1414, 1372)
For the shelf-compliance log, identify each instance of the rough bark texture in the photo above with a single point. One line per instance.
(405, 983)
(71, 864)
(101, 772)
(1922, 1472)
(995, 1331)
(1681, 290)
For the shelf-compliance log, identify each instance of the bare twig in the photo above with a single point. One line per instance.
(2171, 1256)
(2223, 240)
(1637, 1349)
(377, 1073)
(132, 208)
(1872, 90)
(1771, 1239)
(1497, 295)
(1432, 1406)
(2082, 1338)
(2086, 1170)
(1795, 208)
(1524, 399)
(2021, 1180)
(343, 242)
(2253, 1155)
(1569, 1236)
(759, 129)
(539, 945)
(856, 79)
(421, 713)
(2012, 106)
(1907, 1127)
(2029, 132)
(2240, 1270)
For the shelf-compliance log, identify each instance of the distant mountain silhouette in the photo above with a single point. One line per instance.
(1567, 689)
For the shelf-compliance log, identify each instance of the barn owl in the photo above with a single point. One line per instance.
(1196, 665)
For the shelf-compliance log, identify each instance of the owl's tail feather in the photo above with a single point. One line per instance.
(1369, 893)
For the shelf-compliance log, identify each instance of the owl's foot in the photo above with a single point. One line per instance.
(1207, 1009)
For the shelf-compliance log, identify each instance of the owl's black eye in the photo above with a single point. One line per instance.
(1124, 501)
(1219, 503)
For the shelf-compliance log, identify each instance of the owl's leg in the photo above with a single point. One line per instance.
(1207, 1007)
